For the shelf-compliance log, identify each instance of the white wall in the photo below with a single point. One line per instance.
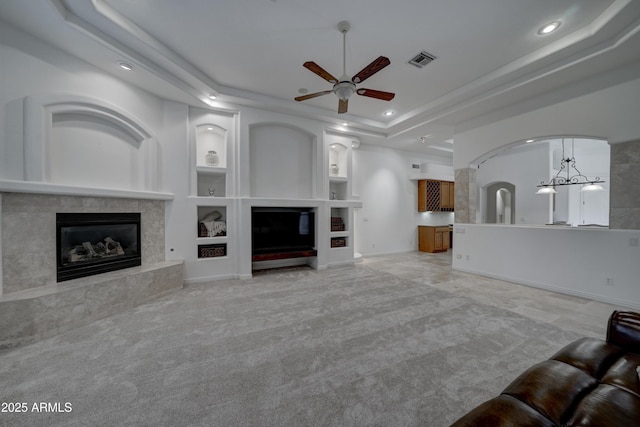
(524, 169)
(31, 68)
(388, 220)
(610, 114)
(575, 261)
(281, 159)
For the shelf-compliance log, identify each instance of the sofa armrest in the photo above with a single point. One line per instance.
(624, 330)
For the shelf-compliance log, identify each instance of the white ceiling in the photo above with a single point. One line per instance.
(250, 52)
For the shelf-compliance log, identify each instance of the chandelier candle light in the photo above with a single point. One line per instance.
(567, 164)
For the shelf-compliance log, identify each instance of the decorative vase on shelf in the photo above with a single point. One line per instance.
(334, 169)
(211, 158)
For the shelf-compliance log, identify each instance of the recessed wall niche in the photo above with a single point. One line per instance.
(282, 161)
(211, 160)
(86, 142)
(338, 160)
(211, 138)
(88, 151)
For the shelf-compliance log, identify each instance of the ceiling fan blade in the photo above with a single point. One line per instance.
(312, 95)
(343, 105)
(378, 94)
(315, 68)
(371, 69)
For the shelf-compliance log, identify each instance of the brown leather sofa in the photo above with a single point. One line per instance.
(590, 382)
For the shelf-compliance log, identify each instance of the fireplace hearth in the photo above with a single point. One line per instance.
(94, 243)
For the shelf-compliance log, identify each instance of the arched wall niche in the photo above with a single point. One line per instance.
(338, 156)
(527, 163)
(86, 142)
(282, 161)
(211, 137)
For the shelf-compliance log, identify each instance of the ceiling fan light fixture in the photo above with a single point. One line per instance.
(344, 90)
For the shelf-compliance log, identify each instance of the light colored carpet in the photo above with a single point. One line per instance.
(355, 346)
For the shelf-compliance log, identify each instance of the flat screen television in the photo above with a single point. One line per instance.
(278, 230)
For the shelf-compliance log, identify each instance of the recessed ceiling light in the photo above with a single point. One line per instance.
(125, 65)
(529, 141)
(209, 127)
(389, 113)
(302, 90)
(213, 96)
(549, 28)
(345, 124)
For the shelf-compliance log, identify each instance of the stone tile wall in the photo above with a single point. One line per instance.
(466, 195)
(29, 233)
(624, 203)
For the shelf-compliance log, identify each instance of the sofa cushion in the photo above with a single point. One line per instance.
(551, 388)
(607, 406)
(622, 373)
(503, 411)
(592, 355)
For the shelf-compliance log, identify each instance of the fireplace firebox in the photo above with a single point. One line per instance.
(94, 243)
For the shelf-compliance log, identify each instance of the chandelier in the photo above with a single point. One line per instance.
(567, 165)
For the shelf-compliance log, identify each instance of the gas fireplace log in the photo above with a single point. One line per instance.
(113, 246)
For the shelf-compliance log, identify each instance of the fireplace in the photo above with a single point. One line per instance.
(94, 243)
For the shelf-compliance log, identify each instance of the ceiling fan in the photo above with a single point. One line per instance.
(344, 87)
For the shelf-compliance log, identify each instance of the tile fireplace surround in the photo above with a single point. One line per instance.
(33, 306)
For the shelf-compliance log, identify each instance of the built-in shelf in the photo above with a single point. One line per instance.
(211, 184)
(211, 222)
(212, 250)
(217, 239)
(339, 242)
(211, 170)
(210, 179)
(333, 178)
(339, 221)
(338, 161)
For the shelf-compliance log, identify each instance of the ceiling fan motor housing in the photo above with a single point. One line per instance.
(344, 89)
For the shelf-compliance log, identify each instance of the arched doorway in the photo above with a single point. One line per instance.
(500, 203)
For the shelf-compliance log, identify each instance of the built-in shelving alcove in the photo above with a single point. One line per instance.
(282, 161)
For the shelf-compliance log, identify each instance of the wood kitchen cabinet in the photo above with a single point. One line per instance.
(434, 238)
(436, 196)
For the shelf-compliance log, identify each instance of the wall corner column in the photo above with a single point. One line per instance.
(624, 202)
(466, 195)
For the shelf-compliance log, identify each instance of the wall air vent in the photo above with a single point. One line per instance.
(422, 59)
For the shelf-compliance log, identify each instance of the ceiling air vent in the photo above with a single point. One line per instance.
(422, 59)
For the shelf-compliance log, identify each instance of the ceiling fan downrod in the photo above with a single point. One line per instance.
(344, 88)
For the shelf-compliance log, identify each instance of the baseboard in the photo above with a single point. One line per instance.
(572, 292)
(204, 279)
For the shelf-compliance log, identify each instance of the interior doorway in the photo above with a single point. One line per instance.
(501, 203)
